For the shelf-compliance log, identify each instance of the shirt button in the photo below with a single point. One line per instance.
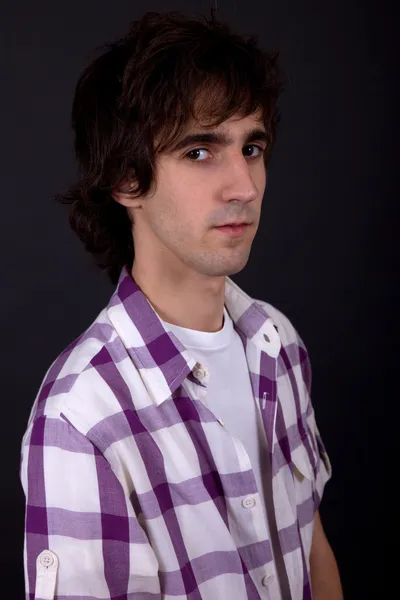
(46, 559)
(248, 503)
(200, 373)
(266, 580)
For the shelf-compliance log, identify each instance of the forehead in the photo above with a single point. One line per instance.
(235, 122)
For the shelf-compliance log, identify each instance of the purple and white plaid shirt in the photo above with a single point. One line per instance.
(136, 491)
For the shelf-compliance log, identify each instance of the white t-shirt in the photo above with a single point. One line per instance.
(230, 397)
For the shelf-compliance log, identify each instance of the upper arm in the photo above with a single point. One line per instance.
(325, 578)
(319, 537)
(77, 508)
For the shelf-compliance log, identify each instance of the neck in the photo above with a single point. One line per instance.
(186, 299)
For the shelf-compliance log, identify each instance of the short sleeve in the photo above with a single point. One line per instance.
(77, 511)
(323, 467)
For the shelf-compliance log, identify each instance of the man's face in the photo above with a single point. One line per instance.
(204, 183)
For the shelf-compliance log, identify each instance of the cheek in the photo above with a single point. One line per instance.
(183, 208)
(176, 217)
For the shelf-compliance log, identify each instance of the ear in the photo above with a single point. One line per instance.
(123, 196)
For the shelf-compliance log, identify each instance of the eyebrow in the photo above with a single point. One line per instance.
(220, 139)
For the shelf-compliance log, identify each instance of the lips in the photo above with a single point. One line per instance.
(233, 230)
(233, 224)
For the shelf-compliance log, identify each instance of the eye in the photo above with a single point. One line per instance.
(193, 155)
(258, 152)
(197, 154)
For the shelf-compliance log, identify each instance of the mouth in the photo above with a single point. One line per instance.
(233, 229)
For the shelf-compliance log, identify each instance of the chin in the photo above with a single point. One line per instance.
(236, 270)
(226, 270)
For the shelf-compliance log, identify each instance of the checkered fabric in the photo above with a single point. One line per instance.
(139, 489)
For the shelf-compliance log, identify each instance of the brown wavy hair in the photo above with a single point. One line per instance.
(133, 101)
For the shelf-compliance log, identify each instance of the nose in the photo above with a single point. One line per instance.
(238, 181)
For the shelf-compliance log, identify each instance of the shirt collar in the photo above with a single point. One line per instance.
(161, 359)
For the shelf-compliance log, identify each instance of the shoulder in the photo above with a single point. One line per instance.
(76, 386)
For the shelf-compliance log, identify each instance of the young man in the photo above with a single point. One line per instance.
(172, 451)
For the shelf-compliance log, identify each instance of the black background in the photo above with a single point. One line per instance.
(325, 253)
